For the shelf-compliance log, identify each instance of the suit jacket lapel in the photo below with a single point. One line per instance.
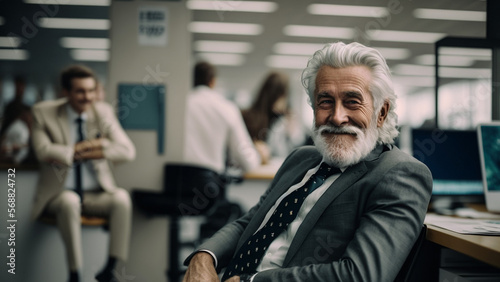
(92, 124)
(288, 179)
(345, 180)
(63, 122)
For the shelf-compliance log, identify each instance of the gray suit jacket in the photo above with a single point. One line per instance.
(50, 138)
(361, 229)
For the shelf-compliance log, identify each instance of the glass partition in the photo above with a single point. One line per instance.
(463, 90)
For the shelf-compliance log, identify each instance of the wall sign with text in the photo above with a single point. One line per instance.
(153, 26)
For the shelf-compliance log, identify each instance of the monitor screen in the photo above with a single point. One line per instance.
(490, 139)
(453, 158)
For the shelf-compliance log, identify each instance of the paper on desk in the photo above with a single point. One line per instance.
(472, 213)
(465, 226)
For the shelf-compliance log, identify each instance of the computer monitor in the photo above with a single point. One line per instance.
(489, 144)
(453, 158)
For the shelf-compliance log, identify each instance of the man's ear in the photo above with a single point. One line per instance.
(382, 115)
(65, 92)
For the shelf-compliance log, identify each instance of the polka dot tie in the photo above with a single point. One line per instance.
(251, 252)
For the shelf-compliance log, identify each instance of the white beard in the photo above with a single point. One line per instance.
(339, 150)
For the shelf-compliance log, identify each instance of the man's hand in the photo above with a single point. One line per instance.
(201, 268)
(88, 149)
(233, 279)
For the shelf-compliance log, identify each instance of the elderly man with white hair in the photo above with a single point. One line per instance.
(347, 209)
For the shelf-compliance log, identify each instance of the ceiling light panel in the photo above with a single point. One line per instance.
(394, 53)
(90, 55)
(222, 46)
(444, 72)
(70, 2)
(476, 53)
(453, 15)
(375, 35)
(73, 23)
(290, 48)
(85, 43)
(319, 31)
(404, 36)
(14, 54)
(347, 10)
(444, 60)
(233, 6)
(469, 73)
(308, 49)
(222, 59)
(287, 62)
(416, 70)
(10, 41)
(225, 28)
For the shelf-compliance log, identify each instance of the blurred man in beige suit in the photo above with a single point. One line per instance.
(75, 138)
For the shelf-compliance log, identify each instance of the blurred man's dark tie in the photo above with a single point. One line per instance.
(78, 165)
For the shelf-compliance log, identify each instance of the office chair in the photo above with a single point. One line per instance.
(418, 266)
(187, 191)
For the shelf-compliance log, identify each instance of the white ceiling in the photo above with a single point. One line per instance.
(47, 57)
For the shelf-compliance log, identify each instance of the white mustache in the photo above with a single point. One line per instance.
(348, 129)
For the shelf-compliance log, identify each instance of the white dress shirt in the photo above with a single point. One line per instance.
(89, 177)
(17, 134)
(214, 126)
(277, 250)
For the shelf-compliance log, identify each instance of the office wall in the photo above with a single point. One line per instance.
(169, 65)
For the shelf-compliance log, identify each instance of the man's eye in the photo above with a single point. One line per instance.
(325, 102)
(352, 102)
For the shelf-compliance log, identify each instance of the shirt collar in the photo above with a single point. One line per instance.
(342, 169)
(72, 115)
(205, 89)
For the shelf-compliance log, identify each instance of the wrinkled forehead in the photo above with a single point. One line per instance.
(351, 76)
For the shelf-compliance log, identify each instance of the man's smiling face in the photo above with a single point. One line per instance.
(345, 128)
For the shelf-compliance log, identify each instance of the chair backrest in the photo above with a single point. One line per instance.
(177, 177)
(413, 268)
(196, 187)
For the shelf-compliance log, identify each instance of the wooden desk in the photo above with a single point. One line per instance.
(264, 172)
(482, 248)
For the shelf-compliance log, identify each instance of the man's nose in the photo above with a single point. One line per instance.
(88, 95)
(339, 115)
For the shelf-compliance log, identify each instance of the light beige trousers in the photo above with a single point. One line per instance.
(115, 206)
